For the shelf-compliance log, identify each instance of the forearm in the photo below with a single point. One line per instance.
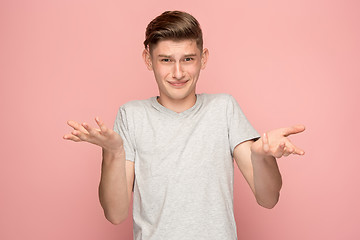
(113, 192)
(267, 179)
(258, 162)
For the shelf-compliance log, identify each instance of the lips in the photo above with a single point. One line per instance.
(178, 83)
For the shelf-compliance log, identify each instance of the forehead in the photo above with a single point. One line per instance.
(175, 47)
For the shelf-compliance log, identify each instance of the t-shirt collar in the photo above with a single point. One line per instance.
(165, 110)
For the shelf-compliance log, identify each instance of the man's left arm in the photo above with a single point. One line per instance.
(257, 162)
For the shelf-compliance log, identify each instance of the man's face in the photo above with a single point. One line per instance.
(176, 66)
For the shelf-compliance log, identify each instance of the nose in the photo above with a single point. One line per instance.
(178, 72)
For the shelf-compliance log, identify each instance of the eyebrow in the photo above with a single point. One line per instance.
(165, 56)
(191, 55)
(186, 55)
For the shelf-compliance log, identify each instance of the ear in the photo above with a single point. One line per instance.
(204, 58)
(147, 59)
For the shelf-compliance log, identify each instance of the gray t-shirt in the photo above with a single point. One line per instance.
(184, 168)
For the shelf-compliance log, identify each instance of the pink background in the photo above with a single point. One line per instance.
(284, 62)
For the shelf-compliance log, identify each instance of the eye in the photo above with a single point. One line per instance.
(188, 59)
(165, 60)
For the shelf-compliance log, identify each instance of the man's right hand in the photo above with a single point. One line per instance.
(117, 175)
(102, 136)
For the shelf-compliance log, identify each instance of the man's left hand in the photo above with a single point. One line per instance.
(277, 144)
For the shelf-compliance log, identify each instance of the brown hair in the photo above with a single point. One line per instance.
(173, 25)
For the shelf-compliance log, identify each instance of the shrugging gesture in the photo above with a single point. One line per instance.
(277, 144)
(257, 162)
(117, 175)
(102, 136)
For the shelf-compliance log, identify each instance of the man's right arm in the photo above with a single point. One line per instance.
(117, 174)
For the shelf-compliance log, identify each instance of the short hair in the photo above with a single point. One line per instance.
(173, 25)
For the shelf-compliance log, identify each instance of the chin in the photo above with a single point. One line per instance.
(180, 94)
(177, 97)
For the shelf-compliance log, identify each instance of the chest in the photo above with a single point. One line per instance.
(188, 145)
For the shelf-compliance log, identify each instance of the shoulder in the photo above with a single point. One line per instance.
(133, 110)
(218, 98)
(135, 105)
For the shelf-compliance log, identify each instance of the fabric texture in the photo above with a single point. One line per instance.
(184, 167)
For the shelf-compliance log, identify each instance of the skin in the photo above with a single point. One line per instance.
(177, 66)
(117, 174)
(257, 162)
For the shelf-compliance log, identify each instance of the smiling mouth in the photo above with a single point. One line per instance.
(178, 84)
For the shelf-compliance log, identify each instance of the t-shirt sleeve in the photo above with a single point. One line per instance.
(240, 129)
(121, 126)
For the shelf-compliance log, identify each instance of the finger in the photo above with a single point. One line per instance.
(265, 141)
(103, 128)
(288, 151)
(82, 136)
(299, 151)
(292, 149)
(90, 130)
(76, 126)
(71, 137)
(279, 152)
(293, 130)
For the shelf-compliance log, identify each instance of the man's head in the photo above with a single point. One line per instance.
(173, 25)
(174, 52)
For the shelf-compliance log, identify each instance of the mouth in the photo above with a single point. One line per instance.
(178, 83)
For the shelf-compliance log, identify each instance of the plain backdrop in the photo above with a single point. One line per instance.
(286, 62)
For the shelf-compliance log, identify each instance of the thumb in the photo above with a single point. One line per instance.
(294, 130)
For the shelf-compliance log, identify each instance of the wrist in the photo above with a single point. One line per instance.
(113, 154)
(257, 149)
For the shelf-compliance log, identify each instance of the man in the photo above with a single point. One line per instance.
(176, 151)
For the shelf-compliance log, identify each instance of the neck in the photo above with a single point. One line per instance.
(178, 105)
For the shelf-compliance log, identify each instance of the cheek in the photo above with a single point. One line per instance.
(162, 71)
(194, 70)
(160, 75)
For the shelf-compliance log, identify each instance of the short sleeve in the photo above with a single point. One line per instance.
(121, 126)
(239, 128)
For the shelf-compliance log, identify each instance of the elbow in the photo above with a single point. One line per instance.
(268, 203)
(116, 219)
(114, 213)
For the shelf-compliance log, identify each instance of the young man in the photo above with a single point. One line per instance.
(176, 151)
